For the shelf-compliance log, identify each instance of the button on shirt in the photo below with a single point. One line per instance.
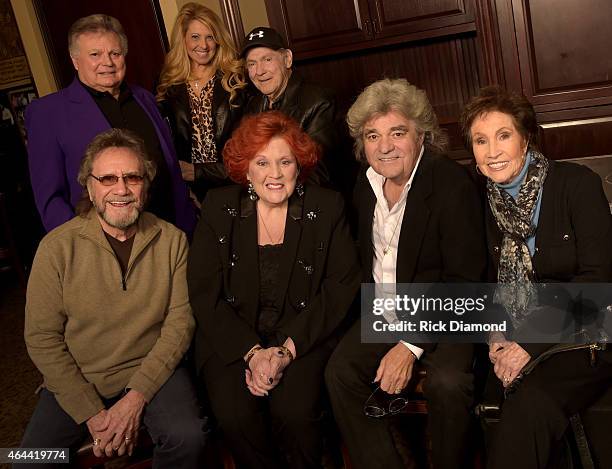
(386, 229)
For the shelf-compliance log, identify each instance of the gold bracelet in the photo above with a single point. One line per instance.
(285, 351)
(252, 352)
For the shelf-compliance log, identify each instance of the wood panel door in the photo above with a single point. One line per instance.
(320, 27)
(417, 17)
(556, 52)
(564, 51)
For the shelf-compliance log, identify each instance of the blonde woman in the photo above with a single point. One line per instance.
(200, 94)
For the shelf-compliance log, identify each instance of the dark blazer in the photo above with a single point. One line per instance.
(318, 275)
(442, 237)
(60, 126)
(574, 233)
(175, 108)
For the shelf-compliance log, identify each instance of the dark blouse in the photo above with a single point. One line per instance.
(269, 315)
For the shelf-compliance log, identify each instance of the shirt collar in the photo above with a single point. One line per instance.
(124, 91)
(377, 181)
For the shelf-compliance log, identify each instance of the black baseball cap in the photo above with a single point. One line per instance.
(262, 37)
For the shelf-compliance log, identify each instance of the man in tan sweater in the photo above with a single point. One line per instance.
(108, 318)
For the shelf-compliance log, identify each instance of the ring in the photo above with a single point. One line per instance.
(96, 441)
(506, 380)
(398, 390)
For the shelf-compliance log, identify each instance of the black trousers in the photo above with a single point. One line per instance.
(535, 417)
(284, 429)
(449, 389)
(171, 418)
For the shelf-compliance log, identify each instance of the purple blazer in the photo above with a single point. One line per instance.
(59, 128)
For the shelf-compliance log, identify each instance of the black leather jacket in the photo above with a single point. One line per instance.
(315, 110)
(176, 110)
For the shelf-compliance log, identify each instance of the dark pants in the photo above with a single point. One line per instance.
(449, 389)
(171, 418)
(281, 430)
(536, 416)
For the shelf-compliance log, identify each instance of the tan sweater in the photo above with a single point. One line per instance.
(92, 333)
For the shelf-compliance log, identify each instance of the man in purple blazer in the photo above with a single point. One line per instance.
(61, 125)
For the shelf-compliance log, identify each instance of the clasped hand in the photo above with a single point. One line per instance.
(265, 370)
(115, 430)
(508, 359)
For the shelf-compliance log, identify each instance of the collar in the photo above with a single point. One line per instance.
(513, 185)
(294, 209)
(377, 181)
(124, 91)
(288, 94)
(146, 229)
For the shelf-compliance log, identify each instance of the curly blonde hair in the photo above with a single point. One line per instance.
(177, 66)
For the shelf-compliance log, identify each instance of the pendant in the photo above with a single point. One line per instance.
(385, 251)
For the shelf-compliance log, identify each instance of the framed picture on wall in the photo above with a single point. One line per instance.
(18, 99)
(14, 69)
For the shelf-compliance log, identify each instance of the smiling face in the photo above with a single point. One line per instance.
(200, 44)
(273, 172)
(118, 206)
(499, 148)
(269, 70)
(100, 61)
(392, 145)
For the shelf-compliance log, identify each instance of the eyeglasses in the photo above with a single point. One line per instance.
(110, 179)
(393, 405)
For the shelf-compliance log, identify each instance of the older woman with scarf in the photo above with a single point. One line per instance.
(547, 221)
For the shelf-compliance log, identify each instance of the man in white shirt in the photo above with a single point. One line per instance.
(420, 221)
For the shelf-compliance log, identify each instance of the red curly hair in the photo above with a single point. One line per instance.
(255, 132)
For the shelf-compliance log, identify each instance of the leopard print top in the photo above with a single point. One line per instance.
(203, 146)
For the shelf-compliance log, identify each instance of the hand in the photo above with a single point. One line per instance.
(279, 361)
(509, 361)
(395, 369)
(124, 421)
(495, 348)
(96, 426)
(187, 170)
(259, 377)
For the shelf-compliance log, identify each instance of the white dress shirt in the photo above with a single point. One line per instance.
(386, 228)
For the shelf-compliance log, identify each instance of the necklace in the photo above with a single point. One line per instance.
(282, 234)
(388, 243)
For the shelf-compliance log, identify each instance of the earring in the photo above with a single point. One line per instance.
(300, 189)
(251, 190)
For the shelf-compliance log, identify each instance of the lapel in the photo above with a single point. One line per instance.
(414, 222)
(366, 219)
(293, 232)
(546, 218)
(86, 117)
(249, 253)
(219, 96)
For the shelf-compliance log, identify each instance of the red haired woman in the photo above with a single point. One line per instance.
(272, 273)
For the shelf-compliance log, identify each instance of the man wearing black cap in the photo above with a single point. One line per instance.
(268, 63)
